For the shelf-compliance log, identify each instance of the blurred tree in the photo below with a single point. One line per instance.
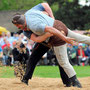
(86, 9)
(18, 4)
(71, 13)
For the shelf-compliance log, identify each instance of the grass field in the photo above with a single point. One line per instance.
(46, 71)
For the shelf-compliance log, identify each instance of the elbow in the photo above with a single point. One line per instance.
(48, 28)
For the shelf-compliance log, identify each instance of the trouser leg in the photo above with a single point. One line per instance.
(62, 57)
(79, 37)
(38, 52)
(64, 77)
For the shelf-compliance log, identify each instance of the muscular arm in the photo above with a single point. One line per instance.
(55, 32)
(50, 31)
(48, 9)
(40, 38)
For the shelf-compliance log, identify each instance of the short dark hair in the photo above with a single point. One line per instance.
(18, 19)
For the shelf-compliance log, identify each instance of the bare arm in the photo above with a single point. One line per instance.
(48, 9)
(40, 38)
(55, 32)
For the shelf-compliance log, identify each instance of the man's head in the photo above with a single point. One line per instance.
(80, 46)
(19, 21)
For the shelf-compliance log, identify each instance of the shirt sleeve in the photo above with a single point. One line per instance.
(27, 34)
(38, 28)
(39, 7)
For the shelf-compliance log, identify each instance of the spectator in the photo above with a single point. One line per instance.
(72, 54)
(87, 52)
(75, 46)
(10, 39)
(2, 36)
(20, 52)
(15, 36)
(81, 55)
(3, 42)
(7, 55)
(22, 37)
(6, 43)
(1, 54)
(21, 55)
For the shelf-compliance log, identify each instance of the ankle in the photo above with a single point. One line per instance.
(72, 79)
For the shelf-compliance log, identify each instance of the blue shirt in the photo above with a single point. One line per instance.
(36, 20)
(27, 33)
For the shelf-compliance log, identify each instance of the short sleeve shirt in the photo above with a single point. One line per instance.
(37, 21)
